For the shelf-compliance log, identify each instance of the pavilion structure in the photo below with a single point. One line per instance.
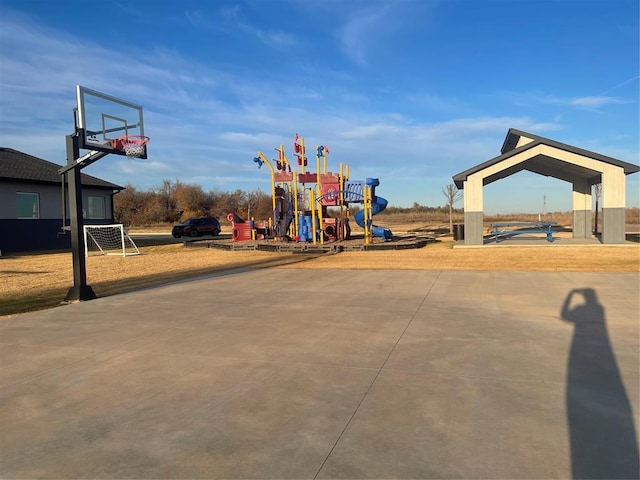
(581, 168)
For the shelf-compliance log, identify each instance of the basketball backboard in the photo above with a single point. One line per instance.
(103, 119)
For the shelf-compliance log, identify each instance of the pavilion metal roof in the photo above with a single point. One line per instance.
(542, 164)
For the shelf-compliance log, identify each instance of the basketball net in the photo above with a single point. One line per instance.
(133, 145)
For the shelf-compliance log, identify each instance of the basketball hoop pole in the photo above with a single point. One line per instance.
(80, 289)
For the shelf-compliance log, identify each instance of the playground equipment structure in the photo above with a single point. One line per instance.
(301, 202)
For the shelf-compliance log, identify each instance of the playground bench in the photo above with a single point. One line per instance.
(508, 229)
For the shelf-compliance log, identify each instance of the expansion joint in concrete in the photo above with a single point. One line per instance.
(364, 396)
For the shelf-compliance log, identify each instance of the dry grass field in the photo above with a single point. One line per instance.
(37, 281)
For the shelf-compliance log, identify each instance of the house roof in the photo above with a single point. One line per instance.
(20, 166)
(541, 164)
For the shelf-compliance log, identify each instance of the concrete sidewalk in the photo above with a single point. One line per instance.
(281, 373)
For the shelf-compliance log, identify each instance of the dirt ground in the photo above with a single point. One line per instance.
(36, 281)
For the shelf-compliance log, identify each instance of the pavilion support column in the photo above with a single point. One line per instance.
(473, 214)
(613, 205)
(581, 209)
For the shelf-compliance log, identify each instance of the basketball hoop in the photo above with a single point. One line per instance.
(133, 145)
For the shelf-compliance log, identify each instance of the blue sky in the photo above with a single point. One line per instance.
(410, 92)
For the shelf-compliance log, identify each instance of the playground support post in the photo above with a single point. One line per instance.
(365, 206)
(324, 155)
(366, 191)
(341, 180)
(317, 205)
(370, 215)
(283, 158)
(312, 203)
(318, 176)
(273, 180)
(320, 220)
(318, 172)
(296, 220)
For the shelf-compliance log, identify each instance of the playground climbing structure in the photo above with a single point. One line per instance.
(312, 206)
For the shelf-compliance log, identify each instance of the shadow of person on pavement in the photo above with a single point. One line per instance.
(600, 418)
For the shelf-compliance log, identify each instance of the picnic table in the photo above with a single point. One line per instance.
(508, 229)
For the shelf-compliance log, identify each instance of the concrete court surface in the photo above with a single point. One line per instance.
(280, 373)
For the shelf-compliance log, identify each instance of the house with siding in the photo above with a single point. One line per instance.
(31, 203)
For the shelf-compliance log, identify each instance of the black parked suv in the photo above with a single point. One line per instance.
(195, 227)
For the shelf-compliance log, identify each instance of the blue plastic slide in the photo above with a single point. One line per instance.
(378, 204)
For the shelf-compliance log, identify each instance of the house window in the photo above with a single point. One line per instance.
(28, 205)
(95, 207)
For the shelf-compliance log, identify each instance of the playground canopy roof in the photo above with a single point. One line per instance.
(517, 142)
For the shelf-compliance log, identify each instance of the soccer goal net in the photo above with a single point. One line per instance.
(108, 240)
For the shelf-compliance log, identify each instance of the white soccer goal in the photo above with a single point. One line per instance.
(108, 240)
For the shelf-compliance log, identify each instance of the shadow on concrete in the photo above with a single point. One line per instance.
(48, 298)
(599, 414)
(152, 240)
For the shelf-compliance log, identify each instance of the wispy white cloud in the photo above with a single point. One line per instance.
(358, 32)
(364, 26)
(435, 103)
(231, 19)
(596, 101)
(622, 84)
(361, 132)
(467, 128)
(275, 38)
(206, 123)
(593, 102)
(196, 18)
(230, 14)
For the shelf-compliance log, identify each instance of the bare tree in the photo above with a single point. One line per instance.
(452, 194)
(192, 200)
(253, 200)
(597, 192)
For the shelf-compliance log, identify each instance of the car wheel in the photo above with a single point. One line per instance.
(215, 232)
(175, 235)
(194, 233)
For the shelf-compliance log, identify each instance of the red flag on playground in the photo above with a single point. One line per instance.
(296, 146)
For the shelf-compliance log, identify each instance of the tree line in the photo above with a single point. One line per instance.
(175, 201)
